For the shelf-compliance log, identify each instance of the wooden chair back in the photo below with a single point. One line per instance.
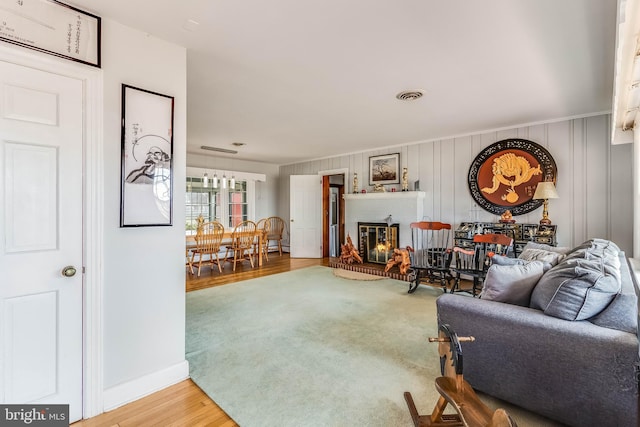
(430, 253)
(485, 246)
(274, 227)
(243, 235)
(431, 244)
(209, 237)
(475, 261)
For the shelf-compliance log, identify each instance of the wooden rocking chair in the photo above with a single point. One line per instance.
(455, 391)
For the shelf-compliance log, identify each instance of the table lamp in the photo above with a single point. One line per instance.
(544, 191)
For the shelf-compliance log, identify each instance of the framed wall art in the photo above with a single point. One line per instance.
(505, 175)
(52, 27)
(146, 194)
(384, 169)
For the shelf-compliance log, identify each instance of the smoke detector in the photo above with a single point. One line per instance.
(409, 95)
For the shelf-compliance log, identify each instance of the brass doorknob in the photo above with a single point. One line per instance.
(69, 271)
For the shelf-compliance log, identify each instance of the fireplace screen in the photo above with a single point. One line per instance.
(377, 241)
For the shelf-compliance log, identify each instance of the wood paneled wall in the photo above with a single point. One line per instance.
(594, 178)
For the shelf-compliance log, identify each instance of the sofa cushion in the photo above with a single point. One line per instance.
(512, 283)
(533, 254)
(559, 249)
(576, 289)
(505, 260)
(622, 312)
(598, 245)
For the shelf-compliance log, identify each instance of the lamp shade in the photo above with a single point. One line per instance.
(546, 190)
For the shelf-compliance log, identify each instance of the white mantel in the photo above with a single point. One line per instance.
(404, 207)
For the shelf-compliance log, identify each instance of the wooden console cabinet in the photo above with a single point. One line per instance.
(521, 233)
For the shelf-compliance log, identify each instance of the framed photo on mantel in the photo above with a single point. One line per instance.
(384, 169)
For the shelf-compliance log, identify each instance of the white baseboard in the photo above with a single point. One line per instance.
(124, 393)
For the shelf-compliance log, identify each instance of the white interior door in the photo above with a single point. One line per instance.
(41, 139)
(305, 215)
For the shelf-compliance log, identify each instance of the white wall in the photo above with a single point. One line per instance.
(144, 275)
(594, 178)
(266, 192)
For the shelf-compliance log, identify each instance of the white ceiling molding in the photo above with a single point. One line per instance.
(626, 97)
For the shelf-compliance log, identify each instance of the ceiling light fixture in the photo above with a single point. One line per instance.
(409, 95)
(218, 149)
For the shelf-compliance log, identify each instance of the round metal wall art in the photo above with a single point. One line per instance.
(505, 176)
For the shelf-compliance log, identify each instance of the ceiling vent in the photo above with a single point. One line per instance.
(409, 95)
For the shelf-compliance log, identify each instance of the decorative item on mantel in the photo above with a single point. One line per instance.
(355, 183)
(545, 191)
(507, 218)
(405, 180)
(379, 188)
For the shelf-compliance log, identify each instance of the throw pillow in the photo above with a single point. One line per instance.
(575, 290)
(559, 249)
(532, 254)
(512, 284)
(505, 260)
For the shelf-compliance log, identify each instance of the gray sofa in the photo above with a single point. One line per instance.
(577, 367)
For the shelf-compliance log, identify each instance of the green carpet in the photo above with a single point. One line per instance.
(306, 348)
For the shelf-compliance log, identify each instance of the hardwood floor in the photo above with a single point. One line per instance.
(277, 264)
(185, 404)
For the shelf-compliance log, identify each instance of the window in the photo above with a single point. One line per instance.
(230, 206)
(238, 207)
(200, 200)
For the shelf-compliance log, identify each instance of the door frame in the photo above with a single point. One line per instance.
(93, 215)
(325, 204)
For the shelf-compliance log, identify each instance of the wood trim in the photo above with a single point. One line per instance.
(326, 205)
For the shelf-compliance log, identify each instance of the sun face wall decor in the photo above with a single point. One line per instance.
(505, 175)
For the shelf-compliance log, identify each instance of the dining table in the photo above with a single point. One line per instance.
(226, 238)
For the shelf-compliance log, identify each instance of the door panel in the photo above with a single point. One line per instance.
(31, 197)
(31, 105)
(305, 214)
(31, 348)
(41, 138)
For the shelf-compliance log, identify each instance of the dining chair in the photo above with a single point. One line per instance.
(275, 228)
(242, 241)
(208, 240)
(261, 231)
(475, 261)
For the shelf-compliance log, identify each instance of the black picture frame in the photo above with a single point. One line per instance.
(146, 192)
(53, 27)
(384, 169)
(488, 186)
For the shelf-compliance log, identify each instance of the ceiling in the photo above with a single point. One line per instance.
(303, 79)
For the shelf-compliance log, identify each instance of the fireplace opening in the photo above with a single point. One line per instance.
(377, 240)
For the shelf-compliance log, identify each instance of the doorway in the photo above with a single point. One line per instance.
(88, 266)
(333, 187)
